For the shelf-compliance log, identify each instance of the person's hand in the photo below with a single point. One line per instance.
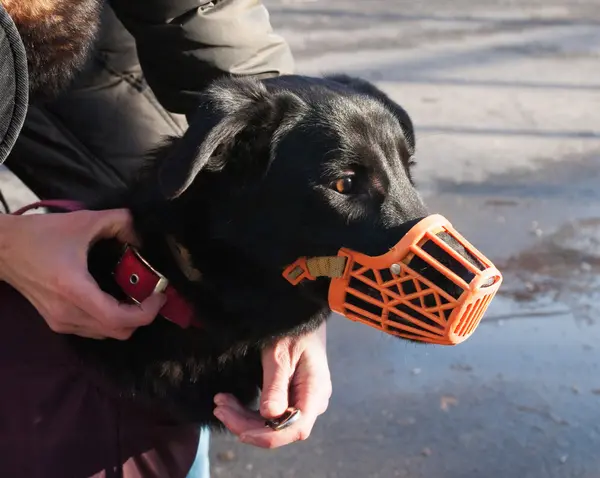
(44, 257)
(296, 373)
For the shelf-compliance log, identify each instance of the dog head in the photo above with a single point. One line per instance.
(295, 166)
(298, 165)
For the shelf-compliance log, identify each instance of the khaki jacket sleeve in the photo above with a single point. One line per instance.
(183, 45)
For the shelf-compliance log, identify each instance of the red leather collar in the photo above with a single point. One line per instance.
(139, 280)
(136, 277)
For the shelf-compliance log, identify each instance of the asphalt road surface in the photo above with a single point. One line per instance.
(506, 101)
(505, 96)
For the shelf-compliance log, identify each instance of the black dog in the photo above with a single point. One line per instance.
(267, 172)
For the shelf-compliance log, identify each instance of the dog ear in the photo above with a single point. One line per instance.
(235, 115)
(367, 88)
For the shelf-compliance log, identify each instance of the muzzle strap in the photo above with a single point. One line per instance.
(325, 266)
(332, 266)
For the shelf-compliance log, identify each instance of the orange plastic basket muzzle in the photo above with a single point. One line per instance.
(423, 289)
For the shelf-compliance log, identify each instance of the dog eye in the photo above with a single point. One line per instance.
(344, 185)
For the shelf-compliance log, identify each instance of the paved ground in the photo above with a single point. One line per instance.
(506, 99)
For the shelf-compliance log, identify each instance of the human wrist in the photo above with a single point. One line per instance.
(7, 227)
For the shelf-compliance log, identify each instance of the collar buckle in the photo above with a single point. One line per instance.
(139, 280)
(136, 277)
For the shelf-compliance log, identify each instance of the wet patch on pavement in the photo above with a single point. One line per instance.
(551, 217)
(564, 266)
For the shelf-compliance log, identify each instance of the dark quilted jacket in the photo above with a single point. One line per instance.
(152, 59)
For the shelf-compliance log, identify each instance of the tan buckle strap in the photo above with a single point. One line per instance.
(325, 266)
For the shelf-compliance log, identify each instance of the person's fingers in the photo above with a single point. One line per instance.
(74, 321)
(109, 311)
(277, 372)
(62, 325)
(311, 397)
(313, 394)
(228, 400)
(114, 223)
(151, 307)
(86, 333)
(309, 403)
(125, 318)
(237, 423)
(84, 325)
(264, 437)
(235, 417)
(250, 426)
(121, 333)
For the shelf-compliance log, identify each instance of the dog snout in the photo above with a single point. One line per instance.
(443, 256)
(400, 214)
(457, 247)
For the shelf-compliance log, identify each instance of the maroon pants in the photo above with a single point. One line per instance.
(57, 418)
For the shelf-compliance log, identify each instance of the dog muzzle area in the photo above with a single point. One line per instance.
(433, 286)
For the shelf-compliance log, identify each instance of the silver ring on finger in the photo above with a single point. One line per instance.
(289, 417)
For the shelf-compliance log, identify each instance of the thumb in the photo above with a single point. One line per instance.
(276, 382)
(88, 296)
(115, 223)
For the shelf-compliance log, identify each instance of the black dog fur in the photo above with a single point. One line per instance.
(248, 190)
